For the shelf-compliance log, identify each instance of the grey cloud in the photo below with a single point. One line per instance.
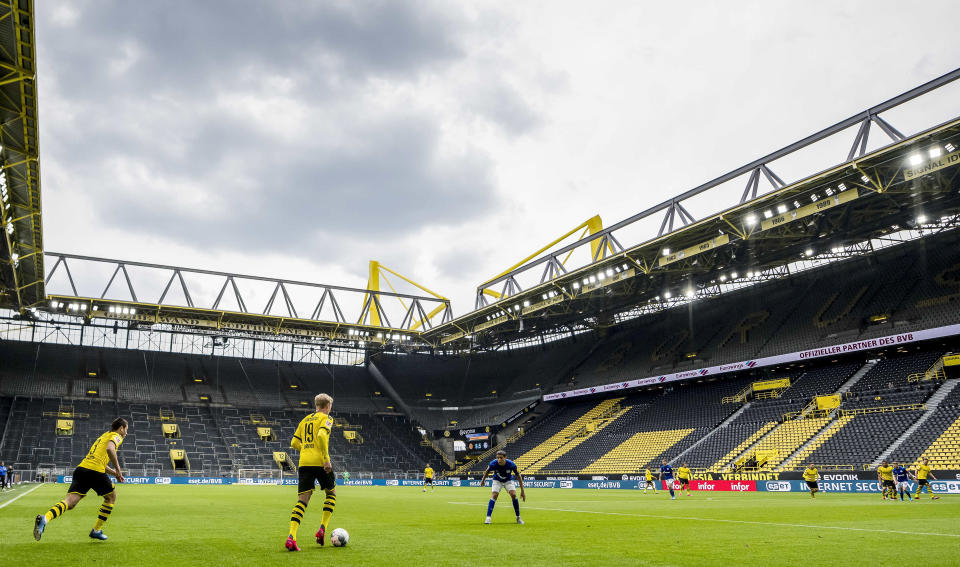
(364, 175)
(394, 183)
(195, 45)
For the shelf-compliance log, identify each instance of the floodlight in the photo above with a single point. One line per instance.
(781, 209)
(767, 214)
(667, 295)
(921, 218)
(723, 277)
(750, 220)
(808, 252)
(666, 251)
(935, 152)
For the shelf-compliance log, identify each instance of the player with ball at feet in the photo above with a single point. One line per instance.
(312, 439)
(503, 471)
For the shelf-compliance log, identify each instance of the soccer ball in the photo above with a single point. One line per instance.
(339, 537)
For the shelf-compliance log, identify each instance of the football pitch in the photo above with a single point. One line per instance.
(246, 525)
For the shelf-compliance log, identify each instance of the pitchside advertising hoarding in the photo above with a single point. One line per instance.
(948, 482)
(829, 350)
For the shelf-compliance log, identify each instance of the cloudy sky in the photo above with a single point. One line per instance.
(445, 139)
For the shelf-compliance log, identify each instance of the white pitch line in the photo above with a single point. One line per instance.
(15, 498)
(721, 520)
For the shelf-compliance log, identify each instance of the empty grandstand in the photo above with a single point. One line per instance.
(813, 322)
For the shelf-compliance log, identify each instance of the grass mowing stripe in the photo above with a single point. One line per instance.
(15, 498)
(752, 522)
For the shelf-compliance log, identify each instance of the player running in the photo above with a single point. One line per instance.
(885, 477)
(428, 479)
(811, 474)
(503, 471)
(312, 439)
(684, 475)
(666, 474)
(902, 478)
(91, 473)
(650, 483)
(922, 472)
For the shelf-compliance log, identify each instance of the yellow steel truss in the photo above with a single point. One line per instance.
(590, 226)
(377, 272)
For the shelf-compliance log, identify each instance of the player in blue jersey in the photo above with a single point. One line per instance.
(666, 474)
(902, 478)
(503, 470)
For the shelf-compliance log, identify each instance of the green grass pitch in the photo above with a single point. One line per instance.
(246, 525)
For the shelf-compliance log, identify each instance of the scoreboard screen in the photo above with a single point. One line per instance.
(472, 443)
(477, 442)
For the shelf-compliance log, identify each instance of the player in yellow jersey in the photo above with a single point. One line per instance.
(684, 475)
(428, 478)
(650, 483)
(312, 439)
(885, 477)
(91, 473)
(922, 473)
(811, 474)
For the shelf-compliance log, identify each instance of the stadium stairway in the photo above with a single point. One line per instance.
(932, 404)
(867, 367)
(810, 446)
(739, 449)
(635, 453)
(551, 446)
(784, 439)
(705, 438)
(592, 428)
(944, 453)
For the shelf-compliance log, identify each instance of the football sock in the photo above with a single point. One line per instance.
(58, 508)
(671, 492)
(296, 516)
(328, 505)
(516, 506)
(490, 507)
(103, 515)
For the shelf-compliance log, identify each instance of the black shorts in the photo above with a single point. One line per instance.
(889, 484)
(649, 481)
(428, 481)
(684, 481)
(812, 484)
(311, 475)
(922, 482)
(85, 480)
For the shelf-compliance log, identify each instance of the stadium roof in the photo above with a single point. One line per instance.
(866, 197)
(911, 182)
(21, 248)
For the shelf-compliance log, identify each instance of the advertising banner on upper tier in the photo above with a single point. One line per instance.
(827, 350)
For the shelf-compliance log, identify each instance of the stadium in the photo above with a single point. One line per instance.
(663, 384)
